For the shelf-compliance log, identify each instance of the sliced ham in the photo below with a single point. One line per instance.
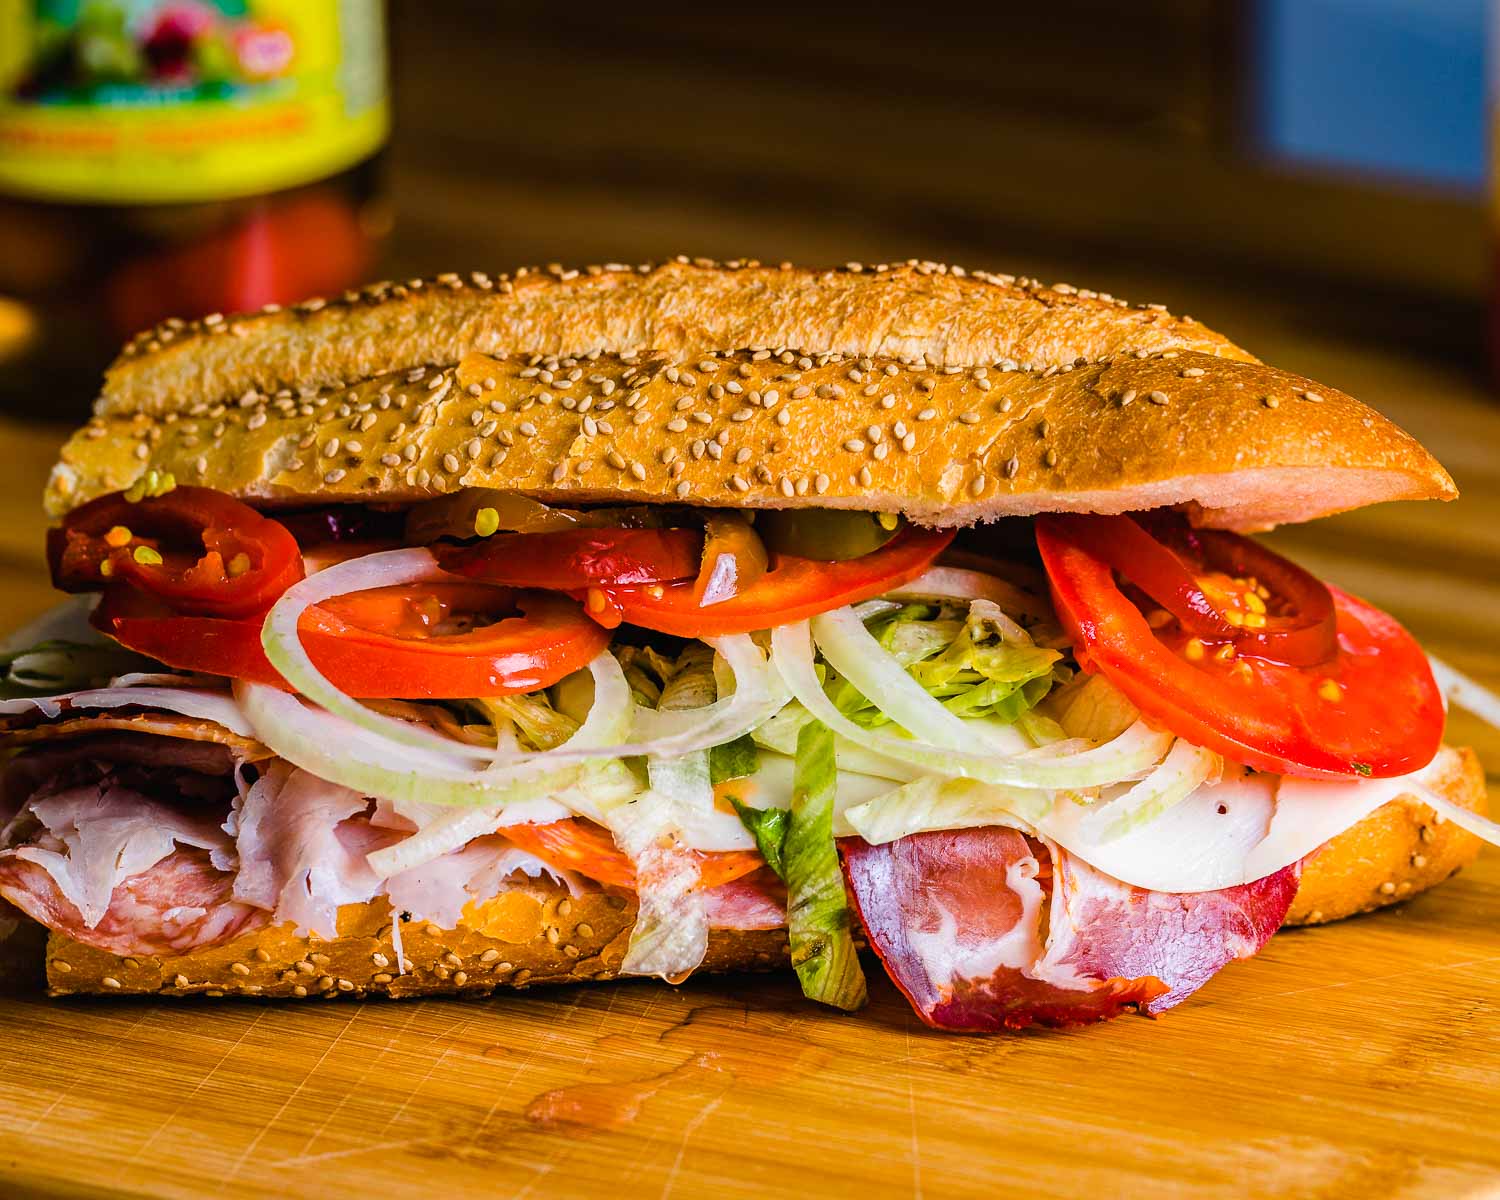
(95, 836)
(302, 844)
(966, 930)
(755, 901)
(180, 904)
(438, 891)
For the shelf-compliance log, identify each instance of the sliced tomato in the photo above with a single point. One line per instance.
(566, 559)
(792, 590)
(577, 845)
(1371, 710)
(198, 550)
(438, 641)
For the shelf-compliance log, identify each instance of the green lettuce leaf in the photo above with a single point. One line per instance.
(733, 760)
(768, 827)
(964, 662)
(59, 665)
(819, 923)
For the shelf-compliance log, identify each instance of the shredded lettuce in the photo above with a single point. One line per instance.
(733, 760)
(974, 664)
(934, 802)
(779, 735)
(819, 923)
(1089, 706)
(58, 665)
(768, 827)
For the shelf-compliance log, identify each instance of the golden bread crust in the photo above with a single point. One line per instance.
(913, 310)
(532, 933)
(1245, 445)
(1399, 850)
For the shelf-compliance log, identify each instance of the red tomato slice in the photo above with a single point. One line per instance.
(389, 643)
(792, 590)
(578, 558)
(198, 550)
(577, 845)
(1372, 710)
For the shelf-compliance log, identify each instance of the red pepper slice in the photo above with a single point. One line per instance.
(1372, 710)
(1172, 563)
(387, 643)
(566, 559)
(573, 844)
(196, 549)
(792, 590)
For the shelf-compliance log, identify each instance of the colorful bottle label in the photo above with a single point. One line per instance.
(162, 101)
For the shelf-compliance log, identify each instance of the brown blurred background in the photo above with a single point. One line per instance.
(1125, 144)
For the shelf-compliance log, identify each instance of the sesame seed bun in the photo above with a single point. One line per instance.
(536, 933)
(948, 396)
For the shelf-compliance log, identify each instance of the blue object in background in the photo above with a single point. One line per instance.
(1392, 87)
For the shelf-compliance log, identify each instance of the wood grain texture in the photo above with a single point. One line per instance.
(1353, 1060)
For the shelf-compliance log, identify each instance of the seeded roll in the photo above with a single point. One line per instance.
(925, 312)
(1242, 445)
(535, 932)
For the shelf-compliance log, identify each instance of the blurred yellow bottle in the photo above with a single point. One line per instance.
(167, 158)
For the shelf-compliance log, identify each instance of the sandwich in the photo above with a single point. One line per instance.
(484, 631)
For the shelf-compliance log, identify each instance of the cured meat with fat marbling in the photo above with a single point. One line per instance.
(966, 929)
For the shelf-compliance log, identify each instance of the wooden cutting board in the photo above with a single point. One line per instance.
(1356, 1060)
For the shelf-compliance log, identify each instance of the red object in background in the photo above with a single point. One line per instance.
(284, 248)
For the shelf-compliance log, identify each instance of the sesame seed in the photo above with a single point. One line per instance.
(1158, 397)
(969, 418)
(1270, 401)
(821, 483)
(615, 459)
(637, 471)
(1012, 465)
(788, 488)
(683, 489)
(334, 475)
(880, 451)
(1313, 397)
(927, 414)
(559, 472)
(742, 455)
(739, 483)
(865, 478)
(526, 429)
(854, 445)
(1193, 372)
(800, 393)
(450, 463)
(715, 450)
(677, 425)
(1050, 458)
(740, 415)
(976, 486)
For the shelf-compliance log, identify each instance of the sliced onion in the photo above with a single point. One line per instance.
(1129, 756)
(958, 583)
(1459, 689)
(854, 653)
(201, 703)
(284, 648)
(1472, 822)
(759, 694)
(1185, 769)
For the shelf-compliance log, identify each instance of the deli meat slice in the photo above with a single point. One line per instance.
(180, 904)
(957, 918)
